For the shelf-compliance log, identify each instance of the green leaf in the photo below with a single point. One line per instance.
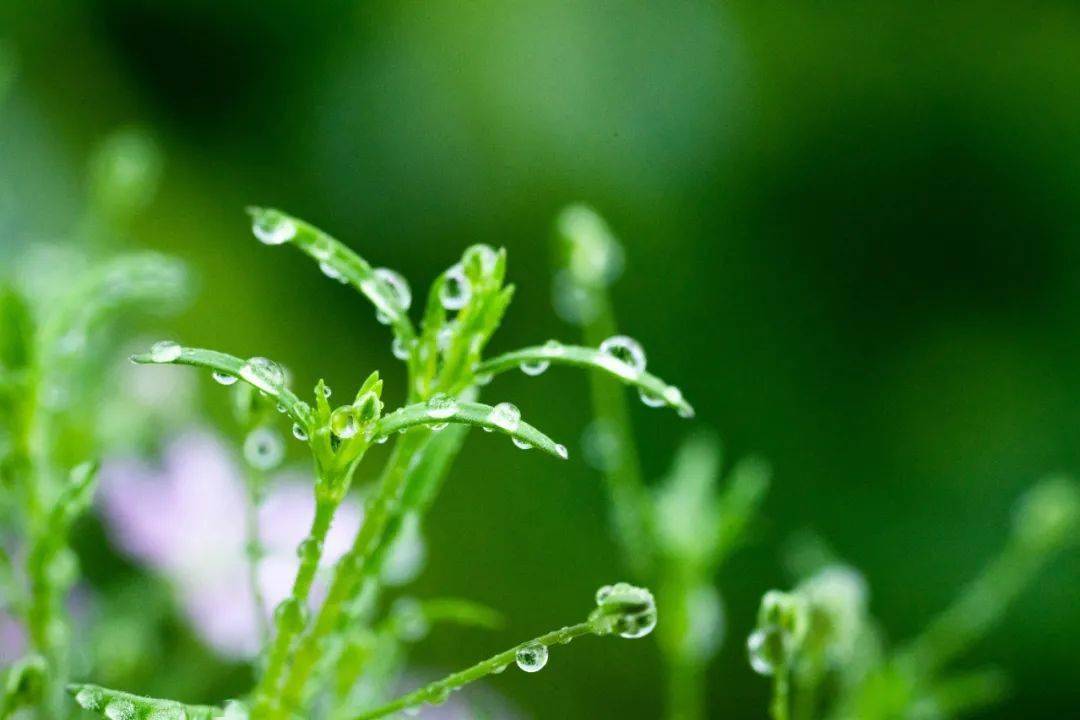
(235, 367)
(461, 612)
(577, 356)
(16, 331)
(470, 413)
(148, 281)
(114, 704)
(339, 262)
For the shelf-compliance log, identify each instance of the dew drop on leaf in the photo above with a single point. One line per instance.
(165, 351)
(223, 378)
(524, 445)
(532, 657)
(506, 416)
(626, 350)
(264, 374)
(345, 422)
(400, 293)
(456, 289)
(534, 368)
(271, 228)
(441, 406)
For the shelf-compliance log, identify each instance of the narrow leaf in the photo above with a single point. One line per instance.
(470, 413)
(577, 356)
(115, 704)
(336, 261)
(235, 367)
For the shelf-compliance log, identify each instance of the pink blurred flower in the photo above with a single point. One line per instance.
(185, 518)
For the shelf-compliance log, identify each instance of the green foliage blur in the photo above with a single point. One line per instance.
(852, 237)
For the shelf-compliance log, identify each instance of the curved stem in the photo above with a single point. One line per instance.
(353, 568)
(438, 691)
(289, 624)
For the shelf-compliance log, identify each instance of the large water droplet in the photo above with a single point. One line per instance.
(299, 432)
(523, 444)
(400, 293)
(165, 351)
(506, 416)
(554, 348)
(456, 289)
(535, 367)
(273, 228)
(223, 378)
(626, 350)
(264, 374)
(345, 422)
(626, 609)
(651, 399)
(90, 698)
(441, 406)
(330, 271)
(120, 709)
(532, 657)
(562, 452)
(399, 349)
(759, 651)
(264, 449)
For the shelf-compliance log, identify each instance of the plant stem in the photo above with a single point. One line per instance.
(354, 567)
(438, 691)
(623, 470)
(781, 693)
(253, 551)
(289, 625)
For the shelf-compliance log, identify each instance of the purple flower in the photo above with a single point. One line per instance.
(184, 517)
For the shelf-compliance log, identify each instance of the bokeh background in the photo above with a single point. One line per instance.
(852, 238)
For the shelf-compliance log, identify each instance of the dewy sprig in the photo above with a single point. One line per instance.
(447, 371)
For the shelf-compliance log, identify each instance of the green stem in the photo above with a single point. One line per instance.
(353, 568)
(781, 699)
(288, 625)
(623, 472)
(253, 551)
(439, 690)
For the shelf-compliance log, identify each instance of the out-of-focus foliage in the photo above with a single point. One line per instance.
(850, 235)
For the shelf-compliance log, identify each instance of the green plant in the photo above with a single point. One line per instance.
(311, 657)
(676, 536)
(827, 658)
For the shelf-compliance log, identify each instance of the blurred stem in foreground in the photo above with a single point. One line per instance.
(678, 537)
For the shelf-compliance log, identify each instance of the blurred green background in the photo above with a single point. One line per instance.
(852, 236)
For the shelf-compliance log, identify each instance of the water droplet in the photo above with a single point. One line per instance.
(309, 550)
(120, 709)
(532, 657)
(273, 228)
(437, 427)
(345, 422)
(444, 337)
(626, 350)
(441, 406)
(90, 698)
(326, 391)
(223, 378)
(264, 449)
(505, 416)
(498, 669)
(484, 379)
(382, 439)
(264, 374)
(554, 348)
(562, 452)
(524, 445)
(400, 293)
(165, 351)
(758, 650)
(438, 695)
(456, 289)
(299, 432)
(535, 367)
(291, 613)
(651, 399)
(399, 349)
(332, 272)
(625, 609)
